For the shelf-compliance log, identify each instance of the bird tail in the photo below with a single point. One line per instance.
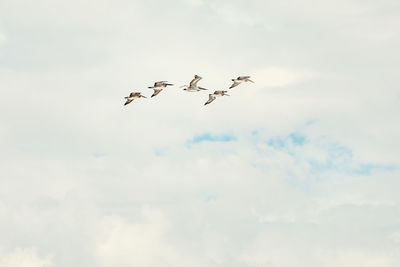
(250, 80)
(202, 88)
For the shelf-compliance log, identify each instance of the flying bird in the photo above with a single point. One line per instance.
(193, 85)
(132, 97)
(240, 80)
(212, 97)
(158, 87)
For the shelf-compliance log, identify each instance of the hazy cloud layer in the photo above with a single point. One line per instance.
(300, 168)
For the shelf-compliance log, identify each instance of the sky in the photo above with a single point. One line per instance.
(299, 169)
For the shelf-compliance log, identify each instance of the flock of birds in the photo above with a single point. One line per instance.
(192, 87)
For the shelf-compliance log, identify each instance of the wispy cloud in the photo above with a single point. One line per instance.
(319, 155)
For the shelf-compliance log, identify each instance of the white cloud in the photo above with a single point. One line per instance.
(23, 258)
(142, 243)
(280, 77)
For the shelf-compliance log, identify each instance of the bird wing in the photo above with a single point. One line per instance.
(195, 81)
(235, 83)
(211, 98)
(129, 100)
(243, 77)
(156, 92)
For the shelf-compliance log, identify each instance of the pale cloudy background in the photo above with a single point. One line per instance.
(301, 168)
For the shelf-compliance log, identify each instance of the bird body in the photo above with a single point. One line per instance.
(160, 84)
(132, 97)
(221, 93)
(240, 80)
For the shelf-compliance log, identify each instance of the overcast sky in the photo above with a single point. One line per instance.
(301, 168)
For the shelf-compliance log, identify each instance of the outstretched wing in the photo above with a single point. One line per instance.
(129, 100)
(156, 92)
(235, 83)
(211, 98)
(243, 77)
(194, 82)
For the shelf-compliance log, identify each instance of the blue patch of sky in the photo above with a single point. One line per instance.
(280, 143)
(297, 139)
(337, 158)
(208, 137)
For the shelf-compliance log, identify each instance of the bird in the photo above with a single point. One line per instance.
(132, 96)
(212, 97)
(240, 80)
(193, 85)
(158, 87)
